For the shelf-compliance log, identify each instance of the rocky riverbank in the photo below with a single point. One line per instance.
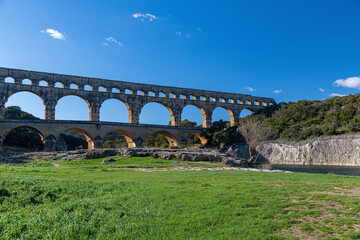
(335, 150)
(184, 154)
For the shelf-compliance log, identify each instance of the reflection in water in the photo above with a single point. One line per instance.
(341, 170)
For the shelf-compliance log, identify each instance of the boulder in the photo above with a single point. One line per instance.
(107, 160)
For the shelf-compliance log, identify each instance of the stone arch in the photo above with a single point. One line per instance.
(74, 86)
(246, 112)
(74, 95)
(27, 102)
(59, 85)
(173, 142)
(151, 94)
(26, 81)
(140, 92)
(87, 135)
(43, 83)
(88, 87)
(128, 137)
(202, 111)
(9, 80)
(172, 117)
(102, 89)
(231, 114)
(202, 139)
(120, 100)
(38, 132)
(115, 90)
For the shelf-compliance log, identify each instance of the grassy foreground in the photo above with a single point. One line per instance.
(89, 200)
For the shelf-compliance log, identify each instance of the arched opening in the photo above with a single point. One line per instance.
(182, 96)
(140, 93)
(115, 90)
(74, 86)
(202, 98)
(59, 85)
(128, 91)
(73, 139)
(212, 99)
(88, 88)
(28, 105)
(248, 102)
(156, 113)
(222, 100)
(162, 95)
(72, 107)
(162, 139)
(199, 138)
(151, 94)
(222, 113)
(246, 112)
(102, 89)
(9, 80)
(26, 81)
(264, 104)
(257, 103)
(230, 100)
(114, 110)
(23, 139)
(43, 83)
(118, 139)
(192, 97)
(171, 95)
(193, 113)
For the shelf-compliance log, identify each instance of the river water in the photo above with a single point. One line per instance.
(341, 170)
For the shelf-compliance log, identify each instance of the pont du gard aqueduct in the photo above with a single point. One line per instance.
(52, 87)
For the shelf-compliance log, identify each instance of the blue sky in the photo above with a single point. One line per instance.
(288, 50)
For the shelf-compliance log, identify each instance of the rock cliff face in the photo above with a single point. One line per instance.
(336, 150)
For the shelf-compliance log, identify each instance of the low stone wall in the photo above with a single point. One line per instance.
(335, 150)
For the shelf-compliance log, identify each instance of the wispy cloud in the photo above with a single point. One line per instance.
(54, 33)
(336, 95)
(321, 90)
(351, 82)
(277, 91)
(199, 29)
(178, 33)
(145, 16)
(188, 35)
(250, 89)
(113, 41)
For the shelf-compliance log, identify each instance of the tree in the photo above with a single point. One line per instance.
(254, 132)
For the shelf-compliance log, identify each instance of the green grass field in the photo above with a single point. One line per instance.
(89, 200)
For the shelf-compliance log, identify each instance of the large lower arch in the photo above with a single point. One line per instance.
(128, 137)
(72, 107)
(190, 110)
(219, 115)
(29, 101)
(25, 137)
(170, 138)
(89, 139)
(112, 108)
(155, 115)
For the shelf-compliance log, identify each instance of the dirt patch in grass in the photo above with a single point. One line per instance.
(353, 192)
(321, 219)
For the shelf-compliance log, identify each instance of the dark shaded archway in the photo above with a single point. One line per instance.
(24, 138)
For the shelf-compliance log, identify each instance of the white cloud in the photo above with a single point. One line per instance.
(178, 33)
(351, 82)
(54, 33)
(147, 16)
(321, 90)
(188, 35)
(277, 91)
(336, 95)
(250, 89)
(199, 29)
(113, 41)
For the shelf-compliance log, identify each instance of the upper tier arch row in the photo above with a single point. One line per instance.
(102, 86)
